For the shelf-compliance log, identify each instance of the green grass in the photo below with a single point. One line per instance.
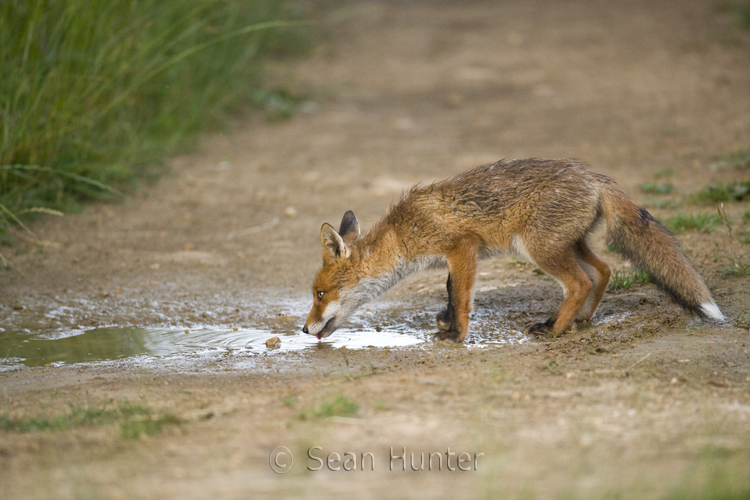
(704, 222)
(740, 11)
(289, 401)
(736, 266)
(715, 193)
(662, 203)
(738, 159)
(552, 367)
(717, 475)
(97, 93)
(623, 279)
(656, 188)
(664, 173)
(134, 420)
(341, 406)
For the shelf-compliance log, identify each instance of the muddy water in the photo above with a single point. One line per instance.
(379, 327)
(102, 344)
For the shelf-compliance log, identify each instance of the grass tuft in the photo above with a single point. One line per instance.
(736, 267)
(740, 11)
(665, 172)
(341, 406)
(719, 474)
(715, 193)
(739, 159)
(623, 279)
(135, 420)
(95, 94)
(649, 187)
(704, 222)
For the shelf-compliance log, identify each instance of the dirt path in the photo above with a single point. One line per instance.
(645, 401)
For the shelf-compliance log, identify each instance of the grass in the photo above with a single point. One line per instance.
(553, 368)
(95, 94)
(716, 475)
(623, 279)
(135, 420)
(341, 406)
(649, 187)
(664, 173)
(738, 159)
(289, 401)
(704, 222)
(740, 11)
(715, 193)
(736, 266)
(661, 203)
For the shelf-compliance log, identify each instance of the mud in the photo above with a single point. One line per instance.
(643, 402)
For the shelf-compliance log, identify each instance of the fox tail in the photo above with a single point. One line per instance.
(634, 233)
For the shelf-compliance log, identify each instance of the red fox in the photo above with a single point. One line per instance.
(540, 209)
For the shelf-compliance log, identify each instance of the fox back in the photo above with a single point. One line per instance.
(542, 210)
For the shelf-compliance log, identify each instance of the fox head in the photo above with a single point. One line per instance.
(334, 288)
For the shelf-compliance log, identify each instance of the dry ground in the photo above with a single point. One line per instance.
(644, 403)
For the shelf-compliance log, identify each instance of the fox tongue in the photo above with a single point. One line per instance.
(319, 336)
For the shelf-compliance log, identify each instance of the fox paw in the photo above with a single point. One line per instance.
(449, 336)
(541, 330)
(444, 319)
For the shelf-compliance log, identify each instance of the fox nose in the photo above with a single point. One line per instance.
(304, 329)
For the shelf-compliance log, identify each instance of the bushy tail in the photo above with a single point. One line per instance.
(650, 247)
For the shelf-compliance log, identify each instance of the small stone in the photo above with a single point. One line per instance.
(187, 331)
(273, 342)
(674, 380)
(154, 266)
(290, 212)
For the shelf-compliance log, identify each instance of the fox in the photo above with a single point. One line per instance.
(543, 210)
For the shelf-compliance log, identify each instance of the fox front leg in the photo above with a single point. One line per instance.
(445, 317)
(462, 267)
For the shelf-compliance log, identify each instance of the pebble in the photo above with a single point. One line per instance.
(273, 342)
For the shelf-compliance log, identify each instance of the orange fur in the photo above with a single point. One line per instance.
(543, 210)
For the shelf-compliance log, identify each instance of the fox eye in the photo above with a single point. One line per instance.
(320, 295)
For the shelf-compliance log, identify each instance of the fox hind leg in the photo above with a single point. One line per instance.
(576, 284)
(598, 272)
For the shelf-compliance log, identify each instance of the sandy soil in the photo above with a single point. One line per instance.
(641, 403)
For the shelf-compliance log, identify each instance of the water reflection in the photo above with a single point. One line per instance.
(93, 345)
(115, 343)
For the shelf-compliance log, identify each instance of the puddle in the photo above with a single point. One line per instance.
(103, 344)
(384, 326)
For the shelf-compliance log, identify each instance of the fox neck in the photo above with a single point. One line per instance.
(384, 263)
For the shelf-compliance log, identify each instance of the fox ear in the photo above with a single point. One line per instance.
(334, 247)
(349, 229)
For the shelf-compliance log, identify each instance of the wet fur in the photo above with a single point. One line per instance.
(541, 209)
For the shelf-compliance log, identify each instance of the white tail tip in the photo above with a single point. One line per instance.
(711, 310)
